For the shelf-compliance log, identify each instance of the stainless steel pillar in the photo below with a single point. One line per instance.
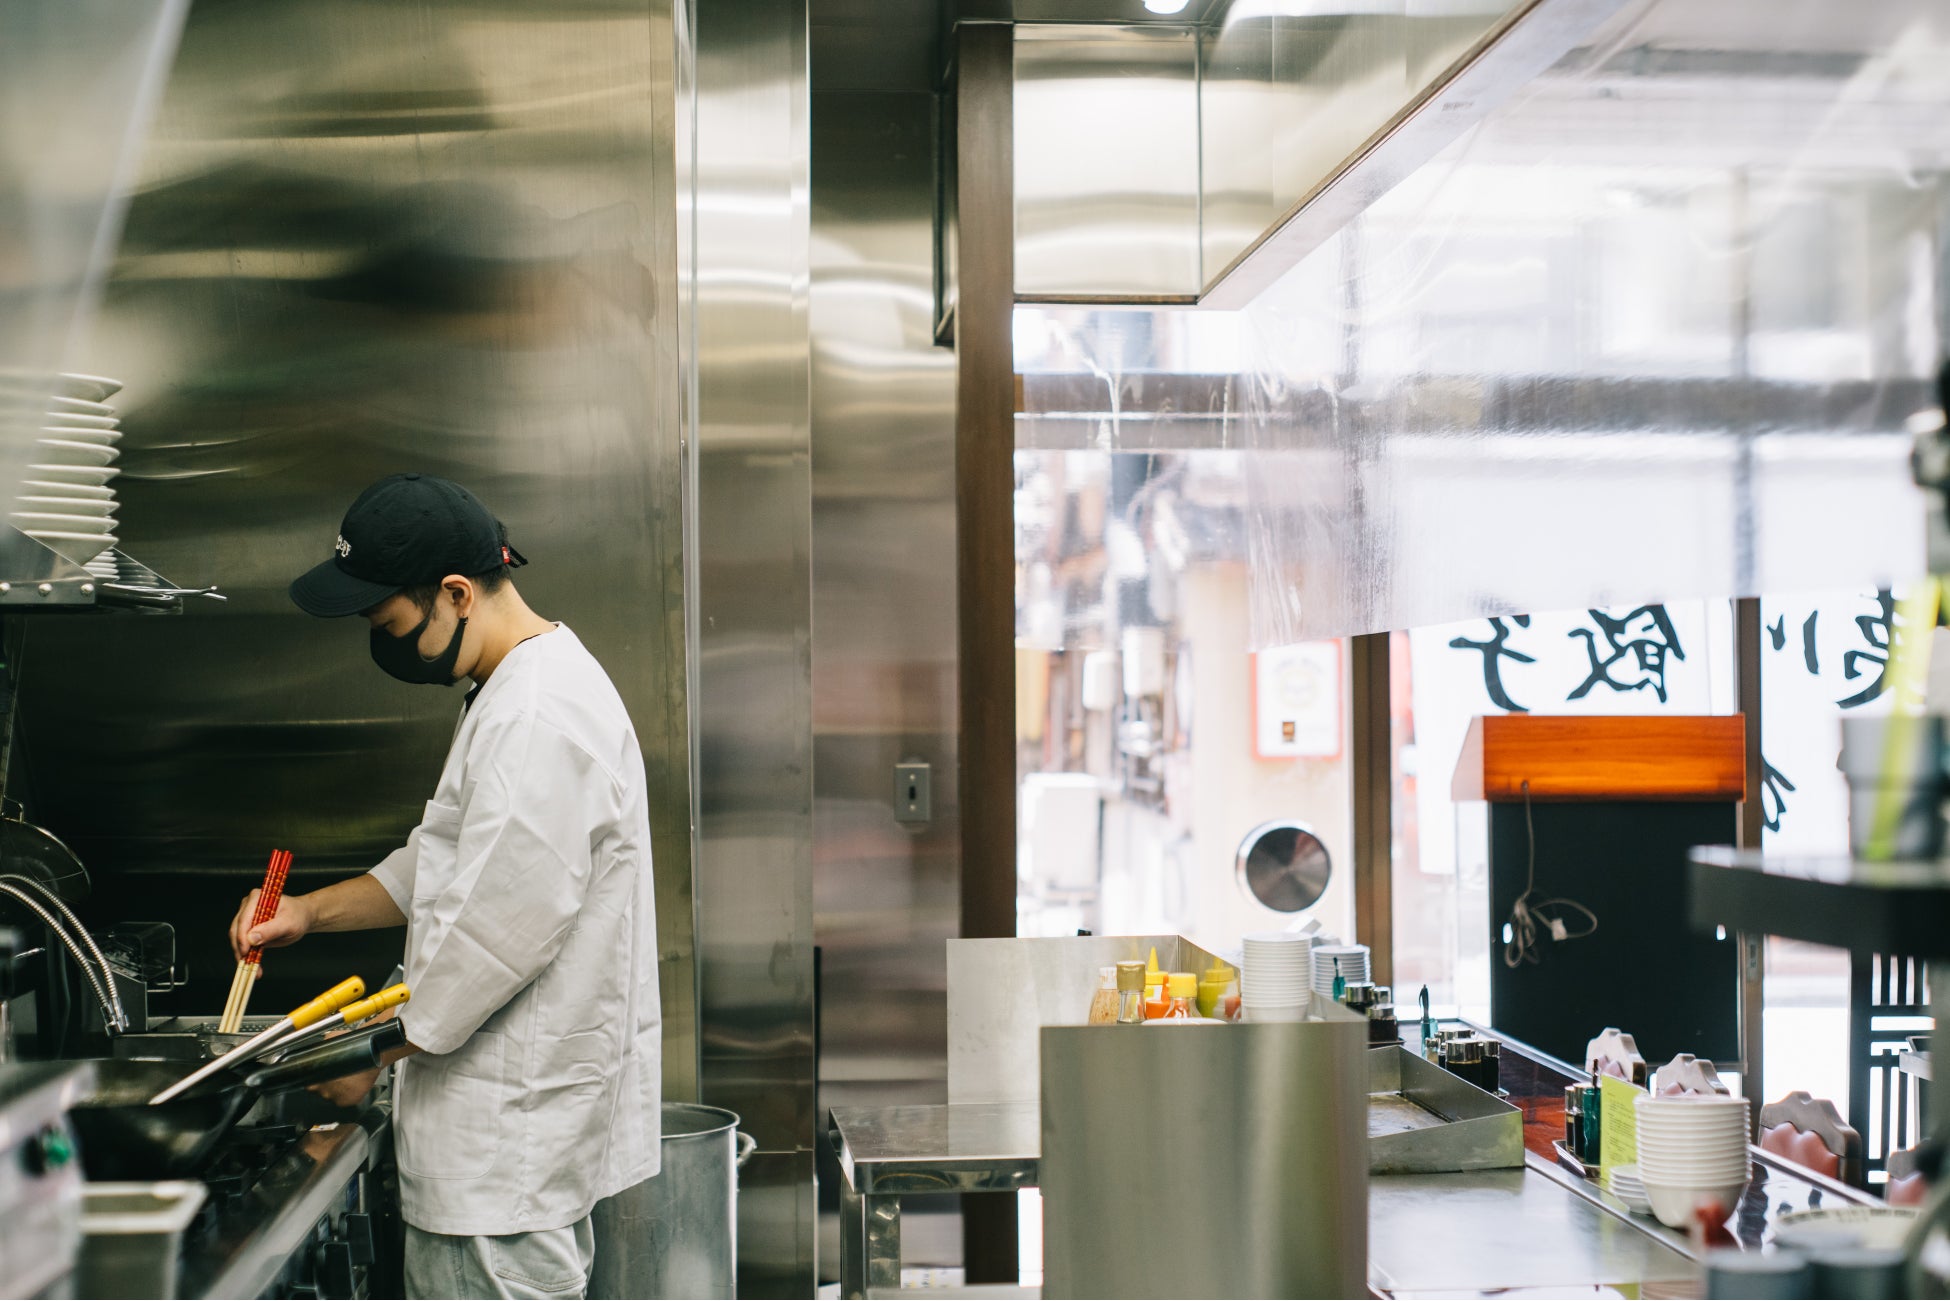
(754, 674)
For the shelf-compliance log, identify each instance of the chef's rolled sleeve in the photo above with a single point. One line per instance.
(395, 872)
(521, 870)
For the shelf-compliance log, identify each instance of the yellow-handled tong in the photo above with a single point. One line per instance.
(332, 1000)
(351, 1014)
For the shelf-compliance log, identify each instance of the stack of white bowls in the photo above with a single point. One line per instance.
(1275, 979)
(67, 501)
(1348, 961)
(1692, 1150)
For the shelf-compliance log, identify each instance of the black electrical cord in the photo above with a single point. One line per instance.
(1527, 918)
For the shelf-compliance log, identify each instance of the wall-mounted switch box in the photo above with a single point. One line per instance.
(913, 792)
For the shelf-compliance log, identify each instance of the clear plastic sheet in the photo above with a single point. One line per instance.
(1650, 332)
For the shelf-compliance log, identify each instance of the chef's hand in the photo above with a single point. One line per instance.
(347, 1090)
(351, 1090)
(287, 926)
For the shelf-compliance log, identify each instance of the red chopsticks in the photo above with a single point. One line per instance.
(268, 899)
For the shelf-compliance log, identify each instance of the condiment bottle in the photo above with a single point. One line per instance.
(1593, 1152)
(1383, 1028)
(1182, 987)
(1103, 1002)
(1213, 987)
(1490, 1076)
(1130, 993)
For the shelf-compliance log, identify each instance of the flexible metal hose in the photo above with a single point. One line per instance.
(120, 1018)
(111, 1010)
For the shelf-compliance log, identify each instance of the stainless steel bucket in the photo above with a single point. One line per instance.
(676, 1235)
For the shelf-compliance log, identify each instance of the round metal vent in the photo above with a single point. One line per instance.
(1284, 865)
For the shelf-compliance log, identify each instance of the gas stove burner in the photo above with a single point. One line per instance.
(245, 1157)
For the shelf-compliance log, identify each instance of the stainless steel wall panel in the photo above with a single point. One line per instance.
(79, 82)
(884, 652)
(1106, 162)
(754, 673)
(372, 237)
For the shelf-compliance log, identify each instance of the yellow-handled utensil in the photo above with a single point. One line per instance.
(332, 1000)
(351, 1014)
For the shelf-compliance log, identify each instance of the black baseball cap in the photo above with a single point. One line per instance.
(404, 531)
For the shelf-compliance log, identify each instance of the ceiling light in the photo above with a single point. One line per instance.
(1165, 6)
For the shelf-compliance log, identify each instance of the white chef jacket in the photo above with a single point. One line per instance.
(531, 951)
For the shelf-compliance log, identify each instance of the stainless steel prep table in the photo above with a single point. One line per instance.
(885, 1152)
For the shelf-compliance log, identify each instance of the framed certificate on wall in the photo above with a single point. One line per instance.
(1297, 701)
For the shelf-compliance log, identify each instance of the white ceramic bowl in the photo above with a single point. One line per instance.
(89, 388)
(1698, 1147)
(1687, 1114)
(1691, 1108)
(1689, 1104)
(1704, 1173)
(39, 522)
(61, 404)
(1674, 1203)
(79, 453)
(99, 507)
(1705, 1143)
(55, 488)
(1696, 1177)
(1660, 1163)
(1650, 1156)
(86, 474)
(1692, 1172)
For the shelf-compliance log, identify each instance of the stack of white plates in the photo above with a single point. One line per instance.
(66, 501)
(1275, 981)
(1692, 1150)
(1628, 1187)
(1348, 961)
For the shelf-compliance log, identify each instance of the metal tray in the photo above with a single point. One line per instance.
(1422, 1119)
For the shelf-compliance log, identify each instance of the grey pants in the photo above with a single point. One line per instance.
(552, 1263)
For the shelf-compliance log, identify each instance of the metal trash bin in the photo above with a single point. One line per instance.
(676, 1235)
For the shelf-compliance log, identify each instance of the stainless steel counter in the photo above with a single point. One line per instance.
(1452, 1234)
(1483, 1231)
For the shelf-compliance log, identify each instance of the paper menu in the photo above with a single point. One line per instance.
(1618, 1125)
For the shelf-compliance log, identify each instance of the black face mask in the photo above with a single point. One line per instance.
(400, 656)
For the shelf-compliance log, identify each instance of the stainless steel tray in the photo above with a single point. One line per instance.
(1422, 1119)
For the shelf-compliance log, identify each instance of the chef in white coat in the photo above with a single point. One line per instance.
(532, 1073)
